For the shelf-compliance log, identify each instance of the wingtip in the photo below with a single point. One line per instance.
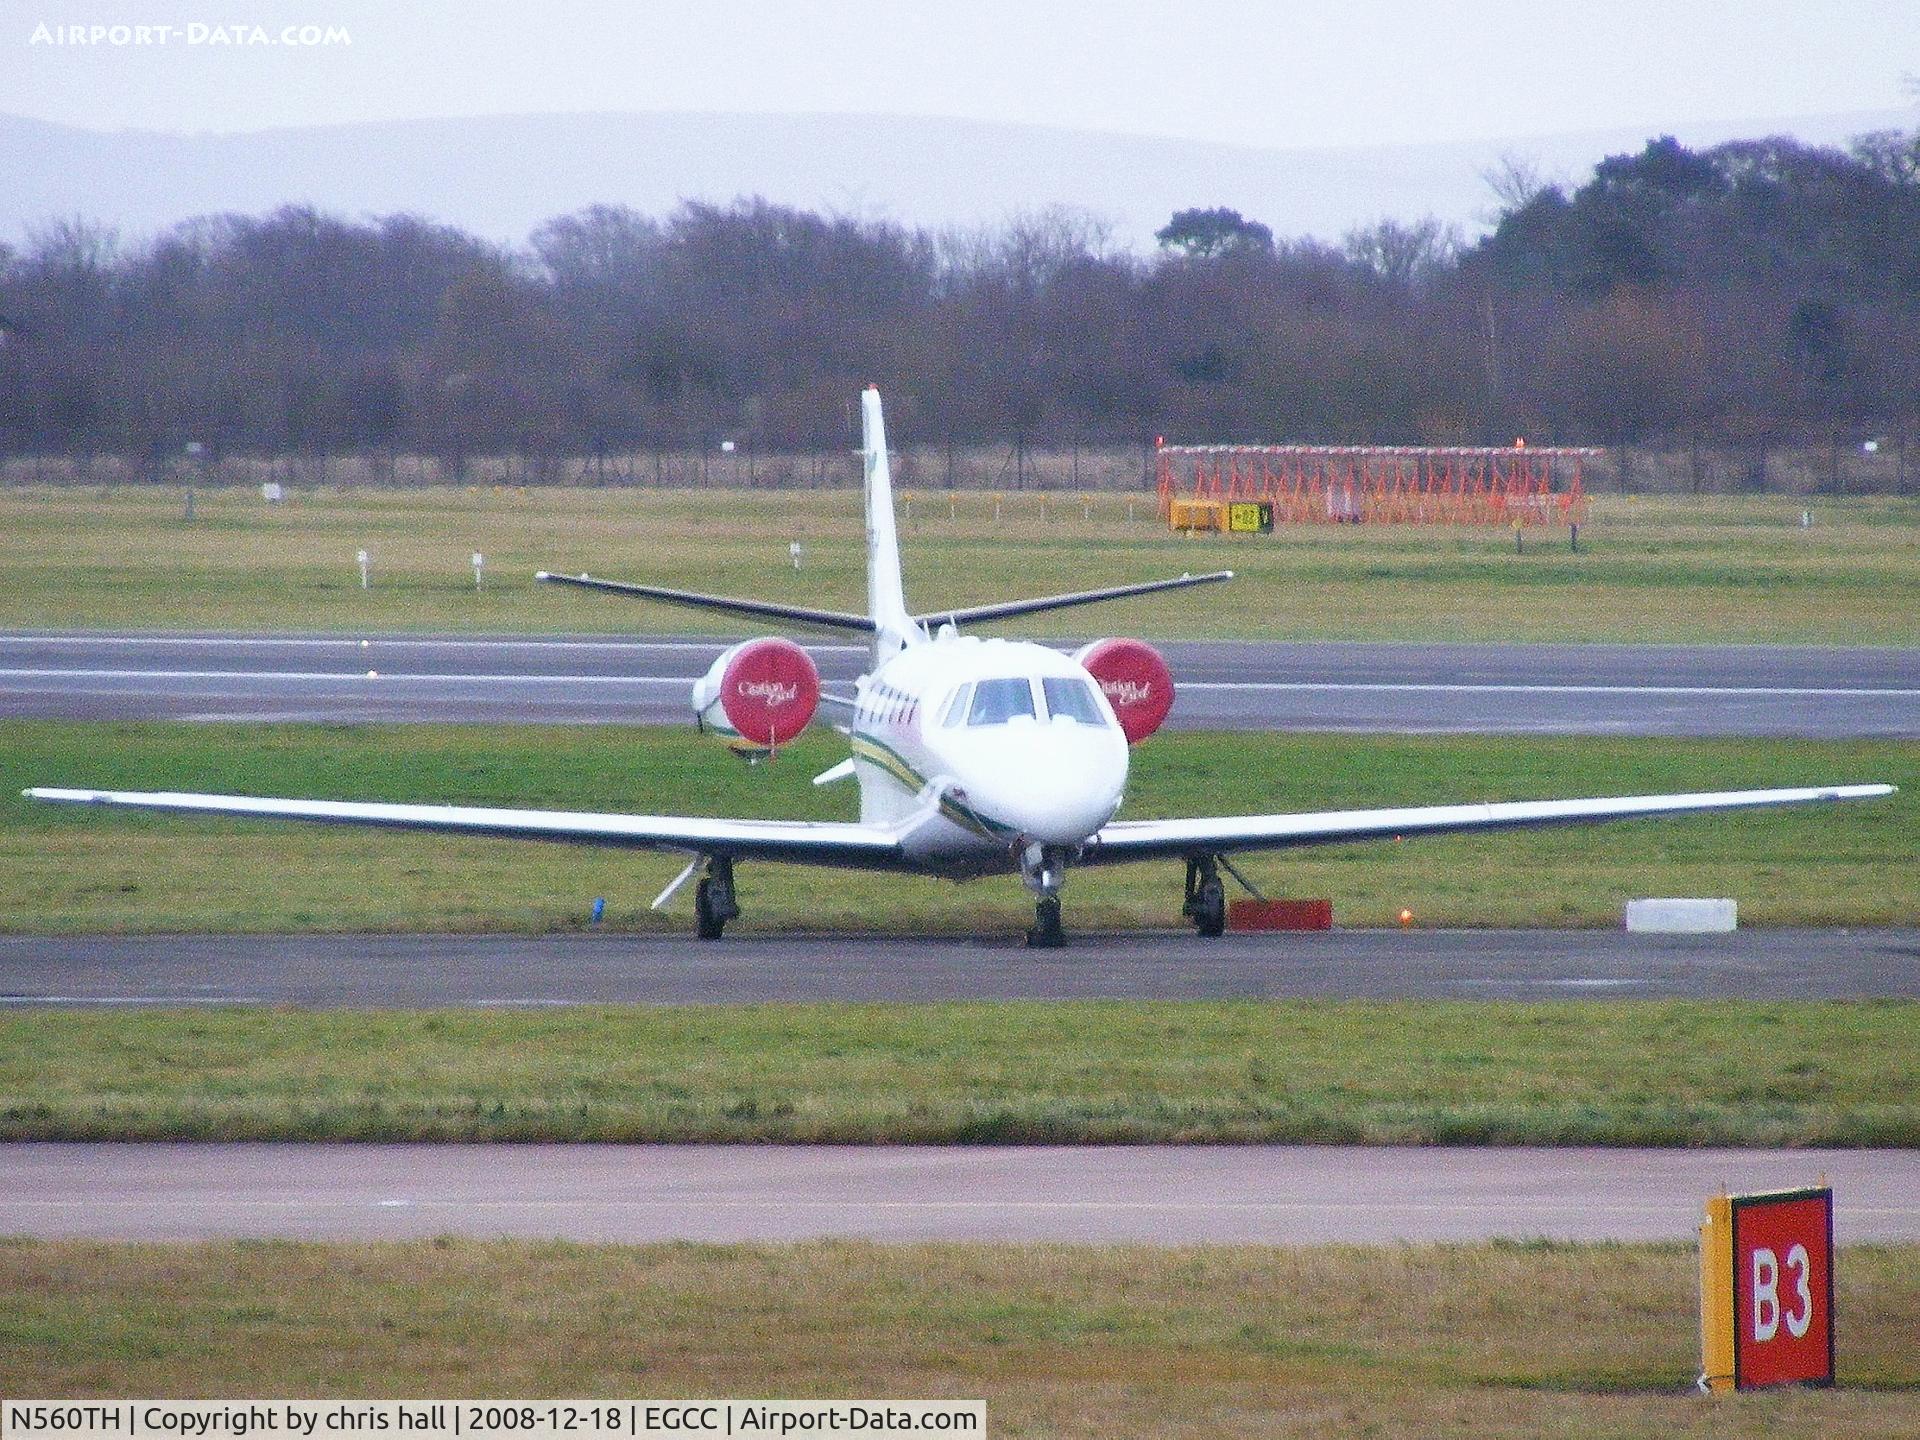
(543, 575)
(1874, 791)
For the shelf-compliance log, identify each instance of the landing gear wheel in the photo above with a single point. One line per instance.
(713, 903)
(1206, 903)
(1046, 933)
(707, 925)
(1210, 913)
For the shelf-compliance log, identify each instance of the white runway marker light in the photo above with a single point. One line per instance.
(366, 560)
(479, 569)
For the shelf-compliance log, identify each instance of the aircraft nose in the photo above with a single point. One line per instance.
(1064, 794)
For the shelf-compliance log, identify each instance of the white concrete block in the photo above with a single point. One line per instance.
(1667, 916)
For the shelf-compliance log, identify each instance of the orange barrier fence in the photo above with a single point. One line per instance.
(1387, 485)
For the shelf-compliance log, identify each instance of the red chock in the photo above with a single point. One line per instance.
(1280, 915)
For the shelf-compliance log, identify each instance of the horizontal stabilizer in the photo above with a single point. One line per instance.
(759, 609)
(973, 614)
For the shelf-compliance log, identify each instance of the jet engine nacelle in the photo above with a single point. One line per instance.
(758, 695)
(1135, 680)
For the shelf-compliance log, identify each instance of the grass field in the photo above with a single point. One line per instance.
(1655, 569)
(1566, 1073)
(1494, 1341)
(72, 870)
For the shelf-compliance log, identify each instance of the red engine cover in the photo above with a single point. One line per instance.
(1137, 683)
(770, 691)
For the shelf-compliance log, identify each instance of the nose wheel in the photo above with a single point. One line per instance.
(713, 903)
(1046, 933)
(1042, 869)
(1206, 903)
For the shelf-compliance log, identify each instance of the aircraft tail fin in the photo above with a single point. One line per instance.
(886, 598)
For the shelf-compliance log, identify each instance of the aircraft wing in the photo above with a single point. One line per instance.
(800, 841)
(1213, 835)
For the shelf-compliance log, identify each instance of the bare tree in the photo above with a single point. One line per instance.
(1515, 180)
(1404, 254)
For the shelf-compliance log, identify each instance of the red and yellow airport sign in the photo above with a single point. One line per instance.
(1766, 1290)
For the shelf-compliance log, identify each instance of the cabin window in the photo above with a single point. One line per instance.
(995, 702)
(1072, 698)
(956, 710)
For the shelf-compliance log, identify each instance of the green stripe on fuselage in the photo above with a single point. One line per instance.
(736, 742)
(876, 751)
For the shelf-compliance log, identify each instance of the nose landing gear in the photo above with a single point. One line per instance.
(1046, 933)
(1043, 869)
(713, 903)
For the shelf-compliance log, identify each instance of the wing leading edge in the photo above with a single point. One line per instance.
(804, 842)
(1146, 839)
(871, 847)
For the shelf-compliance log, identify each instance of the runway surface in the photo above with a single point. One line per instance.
(1829, 693)
(1160, 1195)
(386, 970)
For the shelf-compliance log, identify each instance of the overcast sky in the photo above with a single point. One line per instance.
(1268, 74)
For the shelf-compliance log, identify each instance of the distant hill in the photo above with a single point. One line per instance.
(499, 176)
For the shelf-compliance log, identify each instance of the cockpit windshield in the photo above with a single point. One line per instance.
(995, 702)
(1072, 698)
(956, 711)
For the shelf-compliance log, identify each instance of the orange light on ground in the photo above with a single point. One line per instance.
(1406, 919)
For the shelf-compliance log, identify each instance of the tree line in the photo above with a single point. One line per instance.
(1758, 292)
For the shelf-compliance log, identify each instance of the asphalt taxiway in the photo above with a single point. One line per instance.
(1149, 1194)
(1819, 692)
(428, 970)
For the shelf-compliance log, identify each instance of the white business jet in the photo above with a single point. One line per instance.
(973, 756)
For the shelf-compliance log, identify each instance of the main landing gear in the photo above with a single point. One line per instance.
(713, 903)
(1206, 903)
